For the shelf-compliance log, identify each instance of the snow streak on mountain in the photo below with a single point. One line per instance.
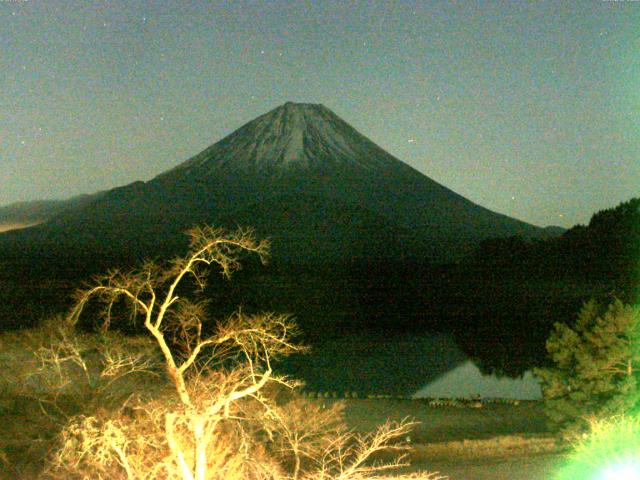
(298, 136)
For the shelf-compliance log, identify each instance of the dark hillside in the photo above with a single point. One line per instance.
(511, 291)
(604, 252)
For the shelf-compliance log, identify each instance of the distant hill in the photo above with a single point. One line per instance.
(300, 175)
(608, 248)
(29, 212)
(39, 211)
(554, 231)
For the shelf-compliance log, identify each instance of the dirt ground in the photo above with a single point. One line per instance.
(442, 424)
(521, 467)
(498, 441)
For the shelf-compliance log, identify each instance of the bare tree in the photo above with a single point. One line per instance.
(219, 418)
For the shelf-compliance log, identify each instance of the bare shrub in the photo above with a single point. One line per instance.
(219, 411)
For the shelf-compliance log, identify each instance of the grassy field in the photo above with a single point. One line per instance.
(494, 442)
(452, 440)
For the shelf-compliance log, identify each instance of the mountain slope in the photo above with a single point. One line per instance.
(307, 148)
(334, 183)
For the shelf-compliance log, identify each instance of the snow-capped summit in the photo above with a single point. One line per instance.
(293, 135)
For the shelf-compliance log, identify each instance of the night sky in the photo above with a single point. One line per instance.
(531, 109)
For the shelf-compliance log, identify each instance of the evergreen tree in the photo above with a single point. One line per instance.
(596, 372)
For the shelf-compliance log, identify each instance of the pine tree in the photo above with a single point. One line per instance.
(596, 372)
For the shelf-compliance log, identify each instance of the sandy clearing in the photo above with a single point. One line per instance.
(6, 227)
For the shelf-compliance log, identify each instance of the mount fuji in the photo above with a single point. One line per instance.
(298, 174)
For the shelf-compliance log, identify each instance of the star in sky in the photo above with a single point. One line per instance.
(500, 91)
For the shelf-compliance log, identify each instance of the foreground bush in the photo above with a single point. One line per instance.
(596, 372)
(216, 409)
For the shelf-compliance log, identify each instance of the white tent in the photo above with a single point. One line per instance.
(466, 380)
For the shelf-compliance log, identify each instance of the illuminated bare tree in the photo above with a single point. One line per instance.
(219, 418)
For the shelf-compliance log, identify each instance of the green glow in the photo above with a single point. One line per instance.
(623, 471)
(610, 451)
